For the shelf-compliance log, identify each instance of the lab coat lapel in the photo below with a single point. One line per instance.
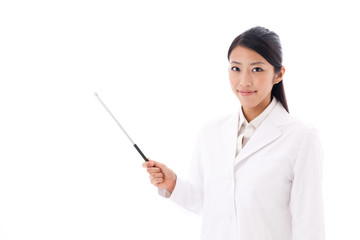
(229, 137)
(266, 133)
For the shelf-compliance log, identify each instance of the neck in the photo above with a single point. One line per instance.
(250, 113)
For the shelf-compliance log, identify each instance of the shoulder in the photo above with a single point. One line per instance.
(300, 129)
(292, 127)
(284, 120)
(301, 123)
(307, 142)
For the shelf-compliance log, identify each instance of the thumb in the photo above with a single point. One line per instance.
(156, 164)
(151, 163)
(160, 165)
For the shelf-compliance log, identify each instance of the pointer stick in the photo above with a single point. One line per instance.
(137, 148)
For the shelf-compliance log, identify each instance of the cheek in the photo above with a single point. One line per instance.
(233, 81)
(264, 84)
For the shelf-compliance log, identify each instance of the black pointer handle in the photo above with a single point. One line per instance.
(143, 156)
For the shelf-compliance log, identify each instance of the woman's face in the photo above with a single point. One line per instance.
(252, 78)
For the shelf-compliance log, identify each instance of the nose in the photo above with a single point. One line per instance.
(245, 80)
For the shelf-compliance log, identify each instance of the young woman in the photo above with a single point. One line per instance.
(256, 174)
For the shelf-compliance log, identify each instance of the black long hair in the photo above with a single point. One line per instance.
(267, 44)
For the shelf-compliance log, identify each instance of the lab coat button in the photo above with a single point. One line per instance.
(228, 219)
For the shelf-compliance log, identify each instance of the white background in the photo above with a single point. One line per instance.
(68, 172)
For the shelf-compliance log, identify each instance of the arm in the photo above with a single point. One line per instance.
(306, 202)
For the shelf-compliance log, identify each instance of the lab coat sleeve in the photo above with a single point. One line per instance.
(189, 193)
(306, 203)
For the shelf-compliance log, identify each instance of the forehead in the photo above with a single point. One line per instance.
(245, 55)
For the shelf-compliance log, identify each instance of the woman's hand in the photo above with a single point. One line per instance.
(160, 175)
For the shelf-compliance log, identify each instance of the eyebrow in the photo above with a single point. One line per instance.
(253, 63)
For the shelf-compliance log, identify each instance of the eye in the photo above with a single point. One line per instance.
(235, 69)
(257, 69)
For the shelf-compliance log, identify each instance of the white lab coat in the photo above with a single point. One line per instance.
(270, 191)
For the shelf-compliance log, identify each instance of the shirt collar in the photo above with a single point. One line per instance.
(257, 121)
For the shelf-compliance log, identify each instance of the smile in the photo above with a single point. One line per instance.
(246, 93)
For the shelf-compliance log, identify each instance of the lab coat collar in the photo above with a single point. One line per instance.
(267, 132)
(258, 120)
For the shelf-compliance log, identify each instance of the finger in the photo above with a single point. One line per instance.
(153, 170)
(158, 184)
(157, 180)
(157, 175)
(151, 163)
(145, 165)
(148, 164)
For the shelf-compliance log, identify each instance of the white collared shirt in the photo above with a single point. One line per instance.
(246, 130)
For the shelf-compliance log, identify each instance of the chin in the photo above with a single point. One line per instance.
(247, 103)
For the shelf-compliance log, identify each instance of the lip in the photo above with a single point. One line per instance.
(246, 93)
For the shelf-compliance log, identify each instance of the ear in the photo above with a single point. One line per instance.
(279, 76)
